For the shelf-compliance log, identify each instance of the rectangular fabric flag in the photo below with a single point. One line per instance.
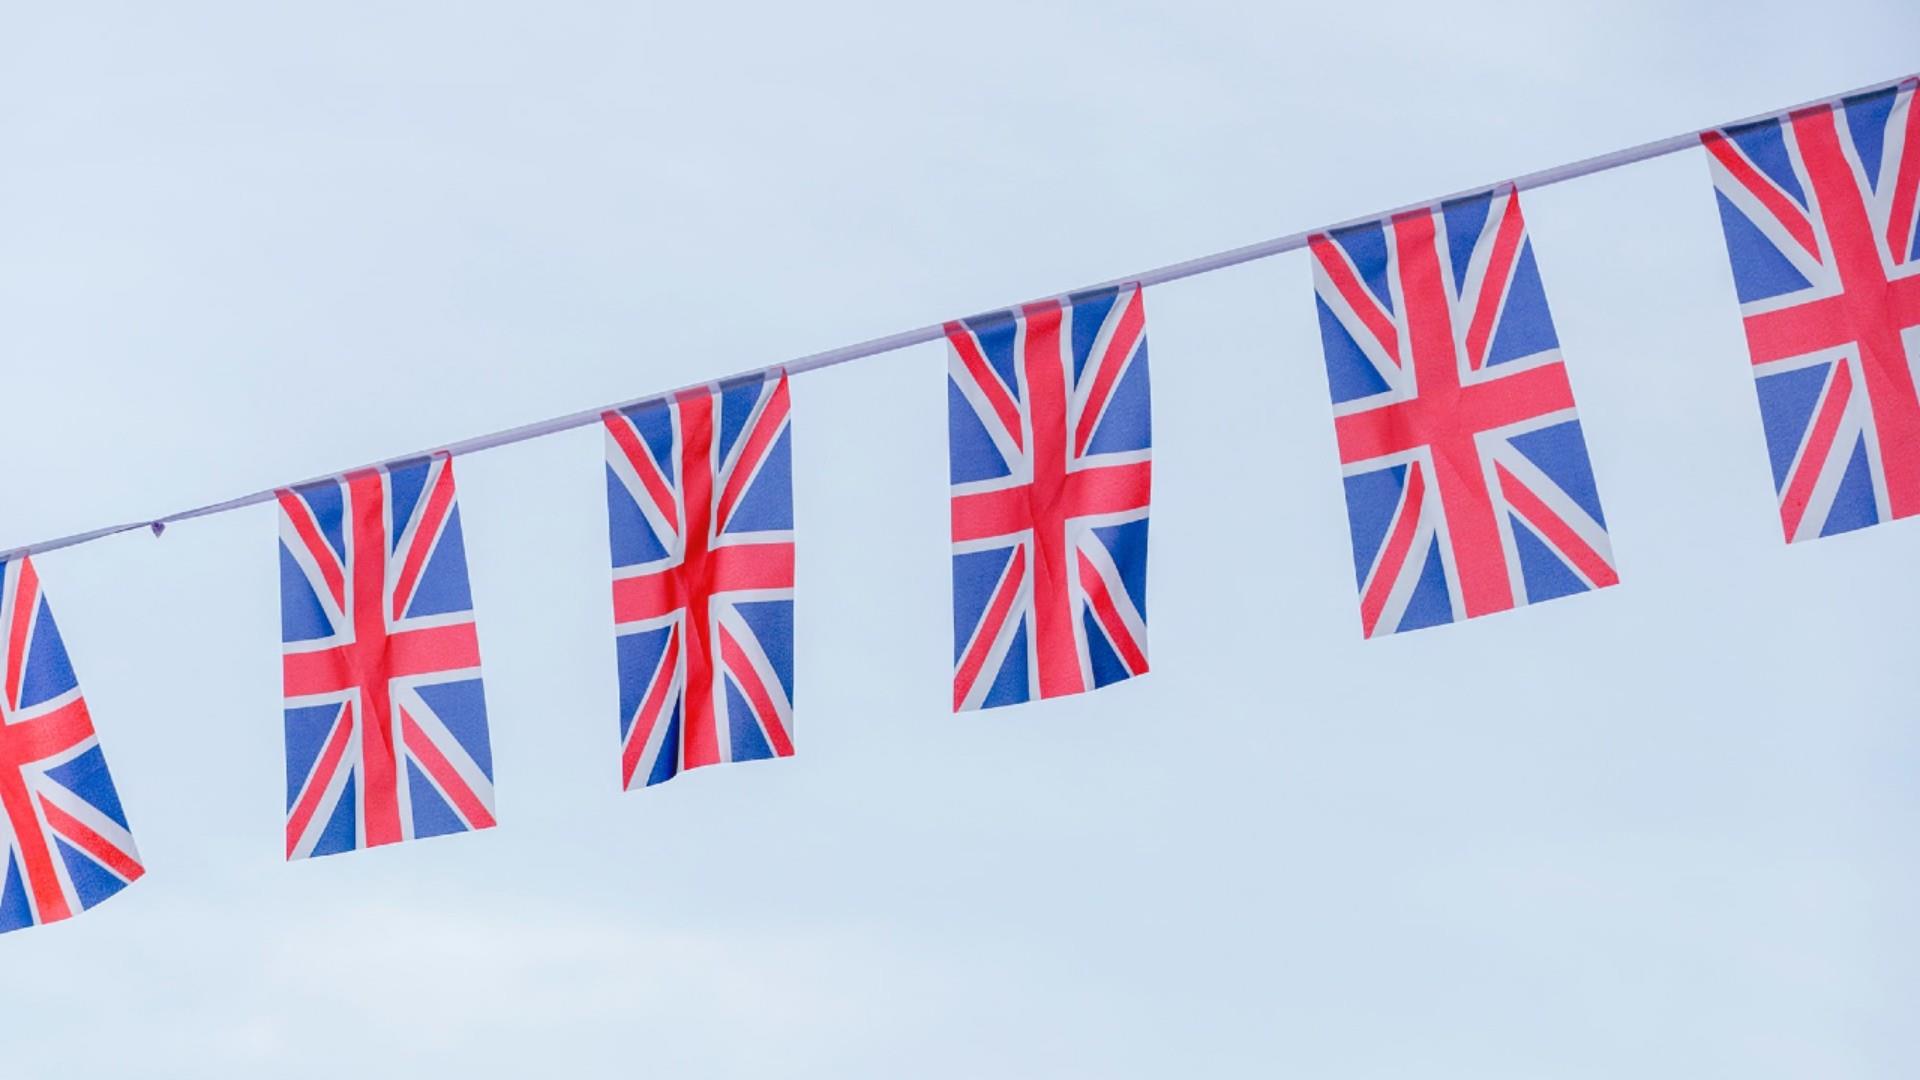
(1050, 452)
(1467, 480)
(700, 521)
(1818, 209)
(386, 722)
(68, 844)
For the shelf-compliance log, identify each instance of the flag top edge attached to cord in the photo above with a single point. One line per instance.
(936, 331)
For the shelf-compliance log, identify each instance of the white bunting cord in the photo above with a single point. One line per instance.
(933, 332)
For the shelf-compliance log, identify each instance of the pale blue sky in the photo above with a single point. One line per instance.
(1664, 830)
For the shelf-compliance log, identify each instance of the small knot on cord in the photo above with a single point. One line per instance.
(158, 527)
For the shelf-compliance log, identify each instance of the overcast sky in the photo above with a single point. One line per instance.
(1666, 829)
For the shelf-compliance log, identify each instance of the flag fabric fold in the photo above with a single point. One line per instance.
(385, 717)
(700, 524)
(1818, 208)
(1050, 454)
(68, 844)
(1468, 485)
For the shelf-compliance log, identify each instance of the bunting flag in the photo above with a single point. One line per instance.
(386, 722)
(1468, 485)
(1819, 215)
(1050, 452)
(700, 521)
(68, 845)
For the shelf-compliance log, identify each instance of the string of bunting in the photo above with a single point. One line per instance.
(1465, 467)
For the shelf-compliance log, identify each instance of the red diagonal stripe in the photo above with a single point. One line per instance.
(26, 600)
(1561, 535)
(650, 709)
(439, 504)
(989, 383)
(1506, 249)
(317, 779)
(1813, 456)
(103, 851)
(1356, 294)
(744, 673)
(989, 628)
(1763, 188)
(638, 456)
(1109, 365)
(1108, 614)
(1393, 555)
(301, 517)
(444, 774)
(758, 442)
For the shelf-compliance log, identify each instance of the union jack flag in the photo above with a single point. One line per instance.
(386, 724)
(1818, 209)
(700, 521)
(68, 845)
(1467, 480)
(1050, 449)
